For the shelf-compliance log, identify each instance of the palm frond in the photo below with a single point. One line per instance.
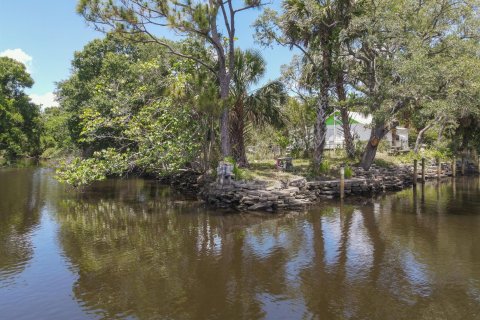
(264, 105)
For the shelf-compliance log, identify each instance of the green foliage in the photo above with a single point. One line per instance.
(55, 140)
(78, 172)
(348, 172)
(325, 167)
(301, 118)
(240, 174)
(230, 160)
(122, 115)
(253, 110)
(134, 106)
(20, 124)
(360, 148)
(282, 140)
(211, 23)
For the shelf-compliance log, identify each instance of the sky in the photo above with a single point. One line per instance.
(44, 34)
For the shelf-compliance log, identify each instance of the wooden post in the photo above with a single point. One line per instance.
(415, 198)
(463, 165)
(423, 170)
(439, 168)
(454, 189)
(454, 167)
(342, 181)
(423, 194)
(415, 165)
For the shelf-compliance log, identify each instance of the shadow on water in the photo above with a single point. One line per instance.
(140, 250)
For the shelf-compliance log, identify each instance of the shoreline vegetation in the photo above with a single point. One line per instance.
(263, 187)
(387, 82)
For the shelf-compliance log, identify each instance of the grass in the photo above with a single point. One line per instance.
(385, 160)
(265, 170)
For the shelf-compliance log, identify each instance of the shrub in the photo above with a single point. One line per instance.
(348, 172)
(325, 166)
(240, 174)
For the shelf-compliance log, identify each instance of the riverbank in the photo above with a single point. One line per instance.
(299, 193)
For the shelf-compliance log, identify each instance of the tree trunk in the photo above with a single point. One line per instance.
(370, 152)
(440, 134)
(224, 118)
(419, 140)
(347, 133)
(320, 129)
(394, 138)
(237, 135)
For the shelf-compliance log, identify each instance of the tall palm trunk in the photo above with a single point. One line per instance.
(224, 80)
(320, 129)
(347, 133)
(237, 134)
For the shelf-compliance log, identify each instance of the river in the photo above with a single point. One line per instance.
(132, 249)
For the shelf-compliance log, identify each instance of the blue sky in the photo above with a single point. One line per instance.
(44, 34)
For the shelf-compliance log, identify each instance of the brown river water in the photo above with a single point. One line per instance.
(131, 249)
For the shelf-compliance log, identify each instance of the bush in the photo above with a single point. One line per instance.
(239, 173)
(325, 166)
(348, 172)
(359, 148)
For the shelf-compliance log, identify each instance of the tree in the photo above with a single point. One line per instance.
(205, 20)
(301, 119)
(387, 45)
(312, 27)
(19, 118)
(343, 105)
(102, 73)
(126, 114)
(300, 109)
(56, 139)
(260, 107)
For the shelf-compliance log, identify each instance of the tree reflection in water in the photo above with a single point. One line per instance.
(20, 204)
(140, 251)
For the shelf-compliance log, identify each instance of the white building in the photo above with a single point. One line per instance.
(360, 127)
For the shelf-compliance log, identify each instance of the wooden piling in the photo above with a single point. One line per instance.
(415, 167)
(423, 170)
(454, 167)
(342, 181)
(439, 168)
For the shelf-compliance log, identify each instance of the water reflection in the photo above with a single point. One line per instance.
(139, 251)
(19, 216)
(158, 257)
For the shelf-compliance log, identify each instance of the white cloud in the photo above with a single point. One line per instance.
(20, 56)
(46, 100)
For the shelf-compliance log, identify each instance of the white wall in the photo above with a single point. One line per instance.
(362, 132)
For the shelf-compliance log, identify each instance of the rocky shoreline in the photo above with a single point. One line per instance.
(299, 193)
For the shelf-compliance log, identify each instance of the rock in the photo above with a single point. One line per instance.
(299, 193)
(299, 183)
(261, 205)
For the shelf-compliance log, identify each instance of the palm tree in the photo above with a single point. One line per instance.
(252, 108)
